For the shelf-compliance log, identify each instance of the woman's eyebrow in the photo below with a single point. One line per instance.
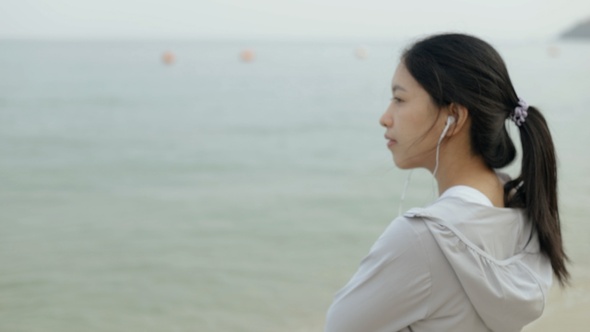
(398, 87)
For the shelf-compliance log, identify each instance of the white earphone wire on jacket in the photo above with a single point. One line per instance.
(401, 201)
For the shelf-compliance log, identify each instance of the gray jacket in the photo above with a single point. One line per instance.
(459, 264)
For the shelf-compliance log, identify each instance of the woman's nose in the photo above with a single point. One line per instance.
(386, 120)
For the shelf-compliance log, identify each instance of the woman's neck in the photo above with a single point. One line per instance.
(469, 170)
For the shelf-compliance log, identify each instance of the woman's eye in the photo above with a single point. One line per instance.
(396, 99)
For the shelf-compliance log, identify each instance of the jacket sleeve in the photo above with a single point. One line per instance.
(391, 287)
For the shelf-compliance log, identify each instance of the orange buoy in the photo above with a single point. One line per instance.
(247, 55)
(361, 53)
(168, 58)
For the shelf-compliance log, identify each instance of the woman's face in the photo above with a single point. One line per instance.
(412, 123)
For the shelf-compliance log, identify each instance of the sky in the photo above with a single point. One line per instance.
(286, 19)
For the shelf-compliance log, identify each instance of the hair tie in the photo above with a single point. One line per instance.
(520, 112)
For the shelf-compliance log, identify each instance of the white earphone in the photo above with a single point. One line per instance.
(450, 121)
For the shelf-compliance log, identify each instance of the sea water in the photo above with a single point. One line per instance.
(215, 194)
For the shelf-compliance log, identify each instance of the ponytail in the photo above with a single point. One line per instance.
(536, 190)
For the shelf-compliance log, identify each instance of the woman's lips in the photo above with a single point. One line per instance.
(390, 141)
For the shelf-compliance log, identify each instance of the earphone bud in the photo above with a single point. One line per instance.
(450, 121)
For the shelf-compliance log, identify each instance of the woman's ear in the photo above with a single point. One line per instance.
(461, 115)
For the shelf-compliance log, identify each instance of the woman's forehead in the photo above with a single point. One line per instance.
(403, 80)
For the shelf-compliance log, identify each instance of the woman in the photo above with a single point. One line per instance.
(482, 256)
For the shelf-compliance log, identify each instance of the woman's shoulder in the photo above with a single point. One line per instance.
(466, 205)
(404, 236)
(500, 232)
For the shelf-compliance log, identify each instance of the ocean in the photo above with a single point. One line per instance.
(215, 194)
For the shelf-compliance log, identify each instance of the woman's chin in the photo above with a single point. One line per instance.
(402, 163)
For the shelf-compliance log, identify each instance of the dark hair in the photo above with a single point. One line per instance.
(462, 69)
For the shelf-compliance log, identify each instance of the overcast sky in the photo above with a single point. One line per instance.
(286, 19)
